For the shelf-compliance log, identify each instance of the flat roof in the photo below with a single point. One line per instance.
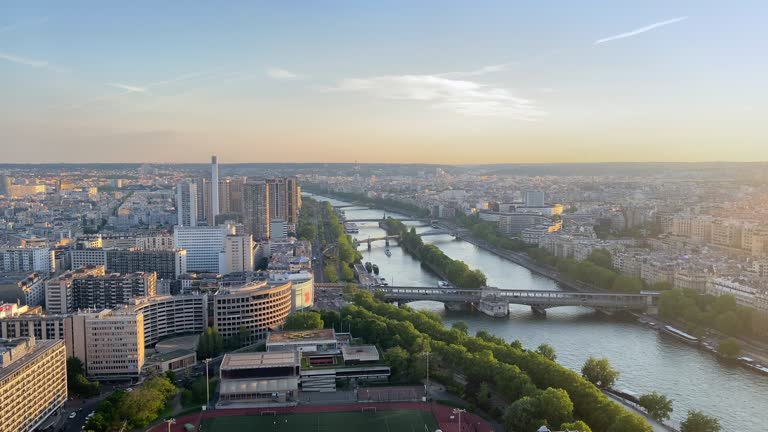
(165, 356)
(41, 347)
(363, 353)
(260, 360)
(302, 337)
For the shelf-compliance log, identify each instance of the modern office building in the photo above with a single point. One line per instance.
(159, 241)
(186, 203)
(110, 342)
(17, 259)
(33, 382)
(203, 245)
(257, 306)
(259, 379)
(256, 210)
(214, 190)
(111, 290)
(25, 321)
(167, 315)
(533, 199)
(90, 257)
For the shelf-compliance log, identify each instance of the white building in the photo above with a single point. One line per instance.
(14, 259)
(237, 255)
(203, 244)
(745, 295)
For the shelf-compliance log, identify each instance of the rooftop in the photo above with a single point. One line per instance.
(360, 353)
(259, 360)
(302, 336)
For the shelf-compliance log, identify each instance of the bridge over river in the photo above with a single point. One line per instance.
(495, 301)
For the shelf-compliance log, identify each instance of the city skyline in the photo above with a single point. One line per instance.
(397, 83)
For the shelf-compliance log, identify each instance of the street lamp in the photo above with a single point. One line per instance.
(207, 383)
(459, 411)
(170, 421)
(426, 386)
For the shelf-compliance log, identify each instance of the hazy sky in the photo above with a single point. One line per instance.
(411, 81)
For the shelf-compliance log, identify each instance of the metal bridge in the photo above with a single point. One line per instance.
(387, 238)
(539, 301)
(401, 219)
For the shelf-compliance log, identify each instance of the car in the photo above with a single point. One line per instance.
(129, 389)
(73, 414)
(90, 415)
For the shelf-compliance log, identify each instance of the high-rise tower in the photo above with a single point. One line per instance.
(186, 203)
(214, 190)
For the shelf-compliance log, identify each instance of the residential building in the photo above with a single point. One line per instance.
(168, 315)
(33, 382)
(111, 290)
(110, 342)
(186, 203)
(256, 209)
(744, 294)
(237, 255)
(168, 264)
(59, 297)
(214, 210)
(24, 288)
(533, 199)
(17, 259)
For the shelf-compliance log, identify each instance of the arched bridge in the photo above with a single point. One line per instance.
(539, 301)
(401, 219)
(386, 238)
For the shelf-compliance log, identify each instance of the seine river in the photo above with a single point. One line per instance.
(646, 360)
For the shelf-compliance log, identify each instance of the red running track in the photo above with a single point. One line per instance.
(470, 422)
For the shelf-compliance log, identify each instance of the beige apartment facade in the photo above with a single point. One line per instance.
(33, 382)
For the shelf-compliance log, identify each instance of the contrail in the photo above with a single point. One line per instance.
(129, 88)
(640, 30)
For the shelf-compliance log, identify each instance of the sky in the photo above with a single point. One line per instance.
(454, 82)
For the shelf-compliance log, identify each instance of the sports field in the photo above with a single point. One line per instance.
(366, 420)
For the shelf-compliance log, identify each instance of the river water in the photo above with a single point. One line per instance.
(647, 361)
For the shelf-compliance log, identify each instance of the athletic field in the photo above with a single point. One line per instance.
(365, 420)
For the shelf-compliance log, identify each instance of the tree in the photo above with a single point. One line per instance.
(171, 375)
(657, 405)
(460, 326)
(397, 359)
(521, 415)
(211, 343)
(577, 426)
(697, 421)
(483, 395)
(630, 422)
(303, 321)
(547, 351)
(601, 257)
(729, 348)
(555, 406)
(599, 372)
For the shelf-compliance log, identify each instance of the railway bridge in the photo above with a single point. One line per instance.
(496, 301)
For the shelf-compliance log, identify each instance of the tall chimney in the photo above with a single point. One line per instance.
(214, 189)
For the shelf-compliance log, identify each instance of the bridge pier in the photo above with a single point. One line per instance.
(538, 310)
(369, 244)
(386, 242)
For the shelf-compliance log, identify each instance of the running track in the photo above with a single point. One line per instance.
(443, 414)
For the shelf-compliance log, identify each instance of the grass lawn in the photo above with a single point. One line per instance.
(353, 421)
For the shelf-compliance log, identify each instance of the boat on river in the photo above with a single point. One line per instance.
(683, 336)
(387, 252)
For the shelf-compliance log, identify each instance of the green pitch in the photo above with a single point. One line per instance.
(380, 421)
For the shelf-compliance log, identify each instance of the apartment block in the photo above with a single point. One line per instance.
(33, 382)
(110, 342)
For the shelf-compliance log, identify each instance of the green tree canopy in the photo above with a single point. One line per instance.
(547, 351)
(599, 372)
(697, 421)
(657, 405)
(303, 321)
(730, 348)
(461, 326)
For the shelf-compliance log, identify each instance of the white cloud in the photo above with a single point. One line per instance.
(129, 88)
(282, 74)
(460, 96)
(640, 30)
(24, 61)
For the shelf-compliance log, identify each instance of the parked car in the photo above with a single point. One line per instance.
(73, 414)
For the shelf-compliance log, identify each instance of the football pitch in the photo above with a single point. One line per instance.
(353, 421)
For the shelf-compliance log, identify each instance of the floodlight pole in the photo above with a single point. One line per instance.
(207, 384)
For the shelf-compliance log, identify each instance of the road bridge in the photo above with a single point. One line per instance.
(387, 238)
(498, 300)
(401, 219)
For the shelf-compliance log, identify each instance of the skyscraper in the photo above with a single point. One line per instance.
(186, 203)
(284, 199)
(534, 199)
(214, 190)
(256, 209)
